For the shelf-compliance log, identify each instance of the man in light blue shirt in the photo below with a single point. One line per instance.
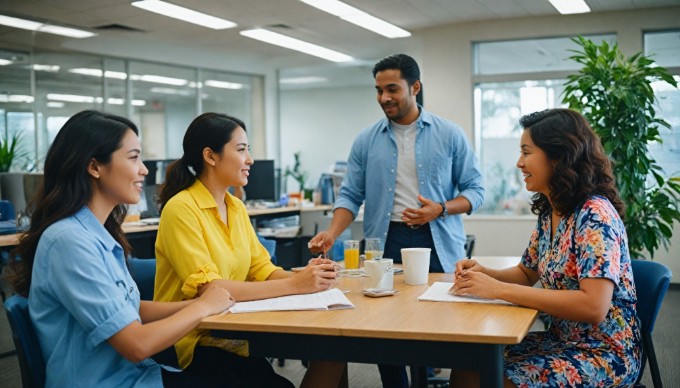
(416, 173)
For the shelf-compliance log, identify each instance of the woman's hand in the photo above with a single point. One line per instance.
(468, 265)
(476, 283)
(215, 300)
(318, 275)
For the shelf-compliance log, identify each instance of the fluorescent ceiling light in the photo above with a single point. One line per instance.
(55, 104)
(159, 79)
(16, 98)
(185, 14)
(360, 18)
(47, 68)
(98, 73)
(296, 44)
(570, 6)
(223, 84)
(42, 27)
(302, 80)
(4, 62)
(90, 99)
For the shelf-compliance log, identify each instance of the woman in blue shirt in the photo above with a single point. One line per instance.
(93, 329)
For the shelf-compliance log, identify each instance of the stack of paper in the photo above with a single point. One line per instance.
(439, 292)
(332, 299)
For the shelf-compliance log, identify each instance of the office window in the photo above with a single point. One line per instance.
(514, 78)
(664, 47)
(64, 86)
(164, 104)
(16, 103)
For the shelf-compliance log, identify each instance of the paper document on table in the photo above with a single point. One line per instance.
(439, 292)
(332, 299)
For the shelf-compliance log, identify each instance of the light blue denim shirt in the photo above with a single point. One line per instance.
(81, 295)
(446, 167)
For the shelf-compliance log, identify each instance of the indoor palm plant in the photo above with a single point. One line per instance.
(614, 93)
(9, 152)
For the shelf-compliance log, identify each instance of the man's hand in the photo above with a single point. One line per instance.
(429, 211)
(321, 243)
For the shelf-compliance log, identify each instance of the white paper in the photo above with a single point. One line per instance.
(439, 292)
(332, 299)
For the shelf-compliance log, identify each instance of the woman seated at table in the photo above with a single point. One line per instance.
(579, 252)
(92, 328)
(205, 240)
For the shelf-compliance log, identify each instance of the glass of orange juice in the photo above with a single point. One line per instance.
(374, 250)
(352, 254)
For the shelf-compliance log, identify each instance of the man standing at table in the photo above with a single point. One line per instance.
(417, 174)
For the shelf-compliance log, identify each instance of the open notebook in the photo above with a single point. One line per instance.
(332, 299)
(439, 292)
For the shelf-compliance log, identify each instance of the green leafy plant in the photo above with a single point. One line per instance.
(9, 152)
(615, 94)
(299, 176)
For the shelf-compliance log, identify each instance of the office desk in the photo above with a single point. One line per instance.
(138, 231)
(389, 330)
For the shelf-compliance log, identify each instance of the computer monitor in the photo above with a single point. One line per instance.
(262, 182)
(157, 169)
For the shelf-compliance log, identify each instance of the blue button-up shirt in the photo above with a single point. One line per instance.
(81, 295)
(446, 167)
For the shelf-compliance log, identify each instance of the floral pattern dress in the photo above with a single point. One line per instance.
(590, 242)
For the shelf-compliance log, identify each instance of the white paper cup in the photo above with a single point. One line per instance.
(416, 265)
(380, 274)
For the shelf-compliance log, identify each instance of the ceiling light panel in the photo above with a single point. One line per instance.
(566, 7)
(296, 44)
(360, 18)
(184, 14)
(31, 25)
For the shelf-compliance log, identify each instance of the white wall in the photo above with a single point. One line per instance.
(321, 124)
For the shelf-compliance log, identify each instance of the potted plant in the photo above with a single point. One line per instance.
(614, 93)
(8, 151)
(299, 176)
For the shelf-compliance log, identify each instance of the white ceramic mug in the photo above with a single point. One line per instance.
(380, 274)
(416, 265)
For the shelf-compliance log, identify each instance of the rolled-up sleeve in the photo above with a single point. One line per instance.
(467, 174)
(181, 243)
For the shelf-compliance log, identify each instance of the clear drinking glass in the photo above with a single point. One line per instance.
(374, 249)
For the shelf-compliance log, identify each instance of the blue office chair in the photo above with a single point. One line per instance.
(651, 283)
(269, 245)
(143, 272)
(31, 362)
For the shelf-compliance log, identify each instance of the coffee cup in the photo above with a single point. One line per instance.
(416, 263)
(380, 274)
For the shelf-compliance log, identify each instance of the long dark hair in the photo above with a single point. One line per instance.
(211, 130)
(67, 186)
(582, 169)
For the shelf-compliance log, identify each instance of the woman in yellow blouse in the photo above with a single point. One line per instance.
(205, 239)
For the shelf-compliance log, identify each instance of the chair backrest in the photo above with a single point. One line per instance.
(31, 362)
(651, 283)
(269, 245)
(7, 211)
(143, 272)
(469, 245)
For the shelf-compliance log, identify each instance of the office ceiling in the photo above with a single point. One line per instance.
(127, 31)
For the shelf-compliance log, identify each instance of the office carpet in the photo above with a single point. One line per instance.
(666, 342)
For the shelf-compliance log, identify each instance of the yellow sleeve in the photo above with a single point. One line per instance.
(261, 265)
(180, 241)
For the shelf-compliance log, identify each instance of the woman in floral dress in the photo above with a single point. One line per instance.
(579, 252)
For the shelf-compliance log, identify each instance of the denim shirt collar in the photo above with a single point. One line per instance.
(92, 224)
(424, 119)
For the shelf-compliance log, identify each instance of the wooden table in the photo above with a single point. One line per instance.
(390, 330)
